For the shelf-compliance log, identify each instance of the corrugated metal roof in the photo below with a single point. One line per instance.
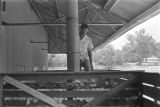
(108, 19)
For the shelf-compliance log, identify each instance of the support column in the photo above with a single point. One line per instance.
(1, 91)
(73, 62)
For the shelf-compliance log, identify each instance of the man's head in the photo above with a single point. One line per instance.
(84, 30)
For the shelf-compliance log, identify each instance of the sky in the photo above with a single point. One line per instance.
(152, 27)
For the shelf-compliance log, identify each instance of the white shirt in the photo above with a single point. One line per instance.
(85, 45)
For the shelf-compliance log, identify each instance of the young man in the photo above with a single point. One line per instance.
(85, 49)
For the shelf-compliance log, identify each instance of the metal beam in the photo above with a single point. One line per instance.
(112, 92)
(58, 24)
(151, 12)
(32, 92)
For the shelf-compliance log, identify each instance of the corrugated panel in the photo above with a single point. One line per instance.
(129, 9)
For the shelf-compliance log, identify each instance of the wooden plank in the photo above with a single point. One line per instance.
(58, 94)
(1, 91)
(64, 76)
(112, 92)
(151, 12)
(32, 92)
(109, 102)
(26, 102)
(152, 92)
(120, 102)
(148, 103)
(15, 103)
(151, 78)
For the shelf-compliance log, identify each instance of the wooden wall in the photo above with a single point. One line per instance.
(16, 52)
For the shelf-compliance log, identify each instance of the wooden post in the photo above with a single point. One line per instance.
(73, 62)
(1, 91)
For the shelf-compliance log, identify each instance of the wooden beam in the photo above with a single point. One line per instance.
(85, 19)
(36, 11)
(57, 8)
(151, 12)
(32, 92)
(97, 32)
(56, 94)
(1, 91)
(148, 78)
(65, 94)
(109, 4)
(152, 92)
(63, 76)
(112, 92)
(149, 103)
(79, 10)
(93, 19)
(100, 14)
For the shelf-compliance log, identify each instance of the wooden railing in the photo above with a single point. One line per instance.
(83, 89)
(151, 89)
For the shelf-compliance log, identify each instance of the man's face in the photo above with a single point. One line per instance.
(84, 31)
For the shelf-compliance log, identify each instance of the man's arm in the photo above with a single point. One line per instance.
(90, 58)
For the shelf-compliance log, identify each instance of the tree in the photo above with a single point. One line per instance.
(140, 46)
(119, 57)
(57, 60)
(105, 57)
(157, 50)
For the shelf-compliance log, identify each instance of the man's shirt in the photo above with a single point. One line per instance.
(85, 45)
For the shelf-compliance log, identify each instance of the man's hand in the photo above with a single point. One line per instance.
(90, 59)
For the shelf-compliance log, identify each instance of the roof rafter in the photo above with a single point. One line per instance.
(57, 8)
(100, 13)
(85, 20)
(65, 16)
(97, 32)
(93, 19)
(109, 4)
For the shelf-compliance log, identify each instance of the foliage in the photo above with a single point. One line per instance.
(56, 60)
(140, 46)
(105, 57)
